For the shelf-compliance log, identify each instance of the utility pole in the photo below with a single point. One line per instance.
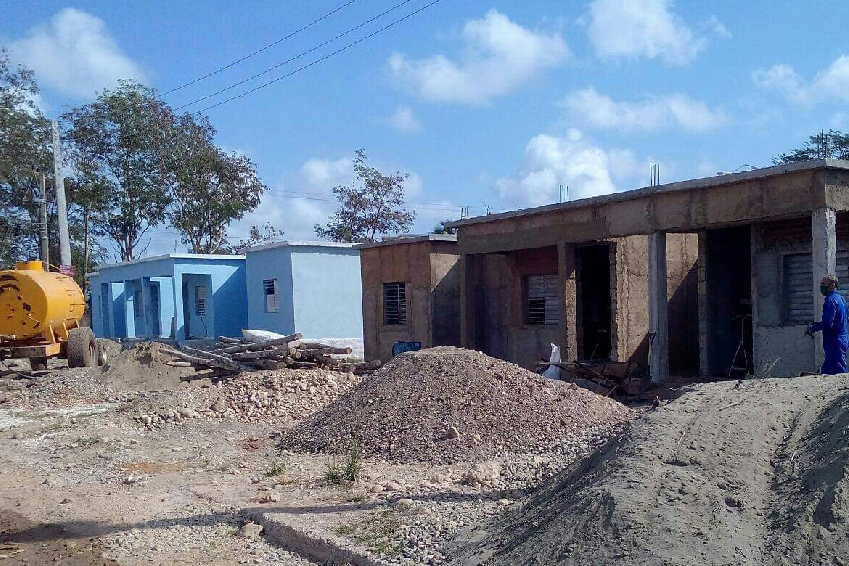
(61, 203)
(42, 225)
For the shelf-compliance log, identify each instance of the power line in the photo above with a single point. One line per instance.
(260, 50)
(296, 57)
(322, 59)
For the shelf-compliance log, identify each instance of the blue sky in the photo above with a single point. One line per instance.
(490, 105)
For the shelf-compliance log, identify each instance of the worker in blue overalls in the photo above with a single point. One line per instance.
(834, 327)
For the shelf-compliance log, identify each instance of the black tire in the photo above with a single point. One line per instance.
(82, 348)
(38, 364)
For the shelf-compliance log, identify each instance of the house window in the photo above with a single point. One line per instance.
(201, 296)
(272, 297)
(543, 300)
(798, 288)
(394, 303)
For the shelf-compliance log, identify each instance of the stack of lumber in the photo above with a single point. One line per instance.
(233, 355)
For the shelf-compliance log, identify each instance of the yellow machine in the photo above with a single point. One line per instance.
(40, 313)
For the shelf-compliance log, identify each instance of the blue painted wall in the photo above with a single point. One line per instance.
(224, 276)
(261, 265)
(320, 290)
(328, 294)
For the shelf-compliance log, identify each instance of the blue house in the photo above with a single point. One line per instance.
(179, 296)
(313, 288)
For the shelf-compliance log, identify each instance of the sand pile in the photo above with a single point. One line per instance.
(448, 404)
(755, 474)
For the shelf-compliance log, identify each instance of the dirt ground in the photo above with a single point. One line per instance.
(88, 480)
(755, 472)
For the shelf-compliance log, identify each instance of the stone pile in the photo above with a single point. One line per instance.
(284, 396)
(445, 405)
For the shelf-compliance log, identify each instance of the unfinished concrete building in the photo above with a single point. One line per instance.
(608, 275)
(411, 289)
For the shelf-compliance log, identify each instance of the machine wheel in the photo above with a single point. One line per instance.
(38, 364)
(82, 348)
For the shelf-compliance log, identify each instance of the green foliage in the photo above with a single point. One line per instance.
(832, 144)
(372, 206)
(277, 468)
(258, 235)
(120, 149)
(25, 151)
(378, 531)
(350, 470)
(212, 188)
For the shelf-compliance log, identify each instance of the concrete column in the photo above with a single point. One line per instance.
(658, 308)
(704, 311)
(824, 255)
(567, 270)
(467, 315)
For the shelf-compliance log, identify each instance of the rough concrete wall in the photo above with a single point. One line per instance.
(499, 306)
(630, 301)
(408, 263)
(778, 345)
(445, 304)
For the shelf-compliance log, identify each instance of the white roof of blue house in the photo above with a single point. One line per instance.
(299, 244)
(166, 256)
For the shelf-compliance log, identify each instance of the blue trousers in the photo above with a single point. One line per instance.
(835, 357)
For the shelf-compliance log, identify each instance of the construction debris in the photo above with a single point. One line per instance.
(447, 404)
(230, 356)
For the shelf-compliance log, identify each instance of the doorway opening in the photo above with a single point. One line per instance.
(729, 301)
(594, 303)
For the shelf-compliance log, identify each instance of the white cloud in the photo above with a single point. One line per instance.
(716, 26)
(75, 54)
(324, 174)
(641, 28)
(404, 120)
(653, 113)
(499, 56)
(570, 160)
(830, 83)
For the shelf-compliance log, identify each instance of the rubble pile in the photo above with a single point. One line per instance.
(447, 404)
(230, 356)
(283, 396)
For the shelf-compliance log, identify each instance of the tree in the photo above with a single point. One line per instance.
(25, 151)
(120, 146)
(373, 205)
(832, 144)
(211, 188)
(257, 235)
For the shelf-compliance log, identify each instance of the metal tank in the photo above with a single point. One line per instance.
(38, 305)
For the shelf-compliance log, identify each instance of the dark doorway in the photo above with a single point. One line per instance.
(594, 311)
(729, 301)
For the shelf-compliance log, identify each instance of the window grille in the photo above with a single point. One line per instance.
(201, 296)
(394, 303)
(543, 304)
(798, 288)
(272, 297)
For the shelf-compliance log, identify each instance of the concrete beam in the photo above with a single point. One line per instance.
(658, 309)
(824, 255)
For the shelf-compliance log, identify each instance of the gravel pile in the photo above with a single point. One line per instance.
(282, 396)
(447, 404)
